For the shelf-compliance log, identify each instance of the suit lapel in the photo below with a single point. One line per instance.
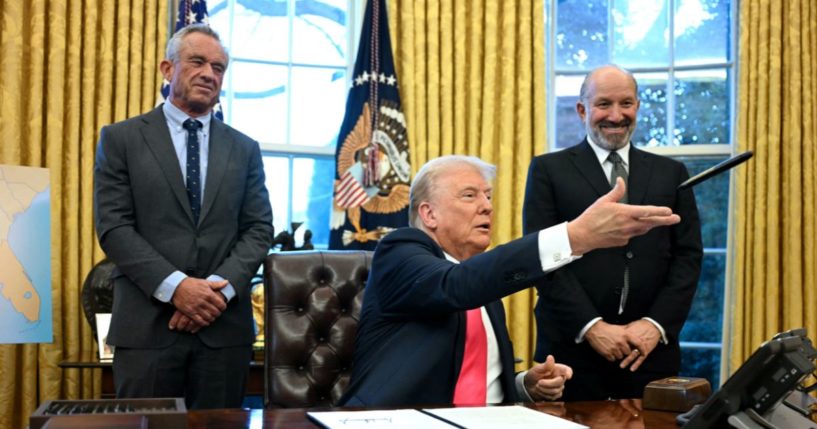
(217, 160)
(585, 161)
(157, 139)
(638, 176)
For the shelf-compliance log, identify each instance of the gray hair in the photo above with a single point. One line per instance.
(425, 182)
(588, 77)
(175, 42)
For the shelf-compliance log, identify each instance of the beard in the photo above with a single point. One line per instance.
(615, 141)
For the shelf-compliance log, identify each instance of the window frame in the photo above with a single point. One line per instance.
(292, 151)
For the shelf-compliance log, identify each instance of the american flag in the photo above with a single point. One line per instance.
(190, 12)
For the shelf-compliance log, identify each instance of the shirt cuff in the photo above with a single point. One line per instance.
(228, 291)
(520, 387)
(660, 329)
(554, 247)
(168, 286)
(580, 337)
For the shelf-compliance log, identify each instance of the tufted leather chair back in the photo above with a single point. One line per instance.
(312, 307)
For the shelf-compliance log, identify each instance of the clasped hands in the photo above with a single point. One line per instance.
(198, 303)
(630, 343)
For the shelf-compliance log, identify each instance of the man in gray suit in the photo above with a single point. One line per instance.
(182, 210)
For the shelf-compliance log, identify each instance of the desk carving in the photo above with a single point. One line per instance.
(167, 413)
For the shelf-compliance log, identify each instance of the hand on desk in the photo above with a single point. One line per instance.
(546, 381)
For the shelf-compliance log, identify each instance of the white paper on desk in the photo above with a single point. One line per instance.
(390, 419)
(507, 417)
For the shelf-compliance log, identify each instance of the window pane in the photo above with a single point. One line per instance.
(259, 30)
(318, 104)
(276, 170)
(702, 29)
(640, 33)
(652, 115)
(312, 197)
(319, 32)
(701, 107)
(705, 318)
(259, 103)
(569, 127)
(581, 34)
(701, 363)
(713, 205)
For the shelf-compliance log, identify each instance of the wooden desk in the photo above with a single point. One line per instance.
(626, 414)
(255, 380)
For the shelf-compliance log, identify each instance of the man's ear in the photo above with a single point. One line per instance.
(580, 109)
(166, 67)
(427, 215)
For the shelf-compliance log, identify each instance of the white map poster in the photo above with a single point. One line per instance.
(25, 255)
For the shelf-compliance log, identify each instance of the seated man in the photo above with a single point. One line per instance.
(432, 327)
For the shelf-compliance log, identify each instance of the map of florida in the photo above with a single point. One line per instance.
(18, 187)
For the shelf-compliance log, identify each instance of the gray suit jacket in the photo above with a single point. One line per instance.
(144, 224)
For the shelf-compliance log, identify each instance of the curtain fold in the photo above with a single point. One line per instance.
(775, 260)
(472, 81)
(67, 69)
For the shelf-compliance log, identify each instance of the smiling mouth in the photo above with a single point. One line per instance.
(615, 127)
(484, 226)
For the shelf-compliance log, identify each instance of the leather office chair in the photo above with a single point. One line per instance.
(312, 307)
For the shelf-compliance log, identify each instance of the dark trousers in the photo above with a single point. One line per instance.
(206, 377)
(608, 382)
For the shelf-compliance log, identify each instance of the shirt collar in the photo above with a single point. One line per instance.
(175, 117)
(450, 258)
(602, 153)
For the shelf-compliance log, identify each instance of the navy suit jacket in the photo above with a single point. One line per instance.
(664, 264)
(411, 335)
(145, 226)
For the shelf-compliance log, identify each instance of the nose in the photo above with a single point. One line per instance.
(208, 72)
(487, 207)
(615, 113)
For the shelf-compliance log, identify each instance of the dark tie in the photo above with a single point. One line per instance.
(619, 171)
(193, 164)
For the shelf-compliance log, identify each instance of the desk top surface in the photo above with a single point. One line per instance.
(598, 414)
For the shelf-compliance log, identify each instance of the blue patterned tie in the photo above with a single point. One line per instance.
(193, 165)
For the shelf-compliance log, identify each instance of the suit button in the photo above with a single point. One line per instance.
(519, 276)
(629, 255)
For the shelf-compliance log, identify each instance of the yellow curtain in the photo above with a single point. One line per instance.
(775, 259)
(66, 69)
(472, 81)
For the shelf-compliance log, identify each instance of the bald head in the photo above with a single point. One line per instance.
(608, 106)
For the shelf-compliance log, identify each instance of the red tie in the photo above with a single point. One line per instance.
(471, 385)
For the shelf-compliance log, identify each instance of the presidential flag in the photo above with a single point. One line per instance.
(190, 12)
(373, 169)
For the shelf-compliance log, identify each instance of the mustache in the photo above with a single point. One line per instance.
(621, 123)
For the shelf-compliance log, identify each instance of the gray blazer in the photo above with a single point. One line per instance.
(144, 224)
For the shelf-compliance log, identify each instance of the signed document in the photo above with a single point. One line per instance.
(508, 417)
(389, 419)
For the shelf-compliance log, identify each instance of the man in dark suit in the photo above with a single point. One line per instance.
(182, 210)
(432, 326)
(614, 315)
